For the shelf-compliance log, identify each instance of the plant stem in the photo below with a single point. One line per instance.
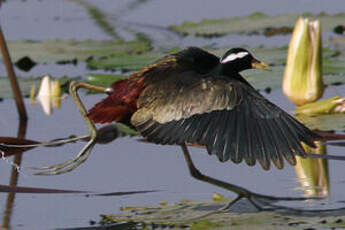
(13, 80)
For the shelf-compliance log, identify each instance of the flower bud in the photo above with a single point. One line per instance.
(302, 82)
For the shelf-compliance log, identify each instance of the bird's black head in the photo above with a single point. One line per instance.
(238, 59)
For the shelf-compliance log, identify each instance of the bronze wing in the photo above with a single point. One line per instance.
(226, 115)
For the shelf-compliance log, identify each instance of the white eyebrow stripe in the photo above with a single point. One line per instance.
(232, 57)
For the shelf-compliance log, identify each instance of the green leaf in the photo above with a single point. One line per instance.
(254, 23)
(188, 215)
(327, 122)
(103, 80)
(124, 62)
(59, 50)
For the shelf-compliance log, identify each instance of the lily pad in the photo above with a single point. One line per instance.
(254, 23)
(326, 122)
(187, 214)
(103, 80)
(59, 50)
(123, 62)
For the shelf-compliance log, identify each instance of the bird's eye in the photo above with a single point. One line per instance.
(234, 56)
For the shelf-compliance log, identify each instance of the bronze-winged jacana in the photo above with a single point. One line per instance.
(193, 96)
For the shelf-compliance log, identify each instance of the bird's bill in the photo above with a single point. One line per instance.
(256, 64)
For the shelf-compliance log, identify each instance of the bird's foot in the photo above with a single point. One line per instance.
(69, 165)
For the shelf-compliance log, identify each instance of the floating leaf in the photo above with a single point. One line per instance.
(124, 62)
(186, 215)
(327, 122)
(59, 50)
(103, 80)
(254, 23)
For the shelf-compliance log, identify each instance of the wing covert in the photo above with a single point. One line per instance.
(182, 96)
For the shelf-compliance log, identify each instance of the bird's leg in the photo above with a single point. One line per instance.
(254, 198)
(85, 152)
(241, 192)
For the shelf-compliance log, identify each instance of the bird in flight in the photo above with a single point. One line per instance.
(195, 97)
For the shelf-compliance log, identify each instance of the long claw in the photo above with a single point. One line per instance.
(65, 169)
(75, 162)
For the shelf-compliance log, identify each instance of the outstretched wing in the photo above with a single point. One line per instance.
(228, 116)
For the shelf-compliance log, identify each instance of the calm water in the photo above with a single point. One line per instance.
(126, 164)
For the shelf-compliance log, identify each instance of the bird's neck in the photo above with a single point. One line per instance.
(227, 71)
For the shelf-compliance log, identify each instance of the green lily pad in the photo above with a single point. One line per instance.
(58, 50)
(123, 62)
(186, 215)
(326, 122)
(256, 22)
(103, 80)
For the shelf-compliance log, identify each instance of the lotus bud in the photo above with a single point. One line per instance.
(302, 82)
(44, 95)
(313, 173)
(49, 94)
(45, 86)
(56, 94)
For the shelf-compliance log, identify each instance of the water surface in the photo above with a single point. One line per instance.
(126, 164)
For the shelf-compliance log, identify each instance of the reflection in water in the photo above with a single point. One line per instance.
(6, 220)
(313, 173)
